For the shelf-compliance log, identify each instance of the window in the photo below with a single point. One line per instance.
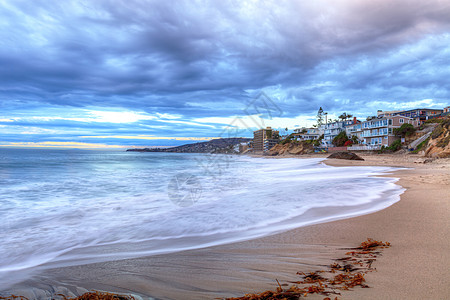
(401, 121)
(390, 121)
(385, 137)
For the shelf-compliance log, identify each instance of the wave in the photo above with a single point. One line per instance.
(129, 211)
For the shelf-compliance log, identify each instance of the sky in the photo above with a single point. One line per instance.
(95, 74)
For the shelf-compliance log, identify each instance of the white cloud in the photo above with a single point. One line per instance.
(118, 116)
(254, 122)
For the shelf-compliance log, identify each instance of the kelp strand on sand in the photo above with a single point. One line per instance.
(95, 295)
(99, 296)
(14, 297)
(346, 273)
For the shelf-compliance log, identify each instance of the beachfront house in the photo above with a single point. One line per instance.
(333, 129)
(264, 139)
(354, 130)
(382, 114)
(380, 131)
(419, 114)
(307, 134)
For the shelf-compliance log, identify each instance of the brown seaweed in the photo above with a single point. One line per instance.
(345, 274)
(96, 295)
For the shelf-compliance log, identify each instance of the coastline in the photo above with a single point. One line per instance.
(414, 267)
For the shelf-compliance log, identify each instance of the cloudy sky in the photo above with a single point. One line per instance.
(141, 73)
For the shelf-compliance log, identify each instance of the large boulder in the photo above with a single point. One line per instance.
(345, 155)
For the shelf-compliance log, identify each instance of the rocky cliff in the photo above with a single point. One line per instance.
(292, 148)
(439, 143)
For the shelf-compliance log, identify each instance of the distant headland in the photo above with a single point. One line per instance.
(223, 146)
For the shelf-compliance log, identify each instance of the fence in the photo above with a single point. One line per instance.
(337, 149)
(364, 148)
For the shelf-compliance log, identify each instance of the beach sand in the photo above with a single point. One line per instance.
(415, 267)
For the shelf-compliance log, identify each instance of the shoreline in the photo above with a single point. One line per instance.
(252, 266)
(418, 227)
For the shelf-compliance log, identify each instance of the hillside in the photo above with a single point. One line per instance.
(439, 143)
(225, 146)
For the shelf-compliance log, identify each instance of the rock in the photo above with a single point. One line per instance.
(345, 155)
(292, 148)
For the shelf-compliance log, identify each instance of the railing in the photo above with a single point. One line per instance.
(419, 140)
(366, 134)
(364, 148)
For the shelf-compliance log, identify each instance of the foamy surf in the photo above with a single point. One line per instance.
(102, 206)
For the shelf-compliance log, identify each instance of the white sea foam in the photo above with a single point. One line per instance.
(90, 207)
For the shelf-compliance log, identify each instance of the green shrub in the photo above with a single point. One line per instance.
(405, 130)
(317, 142)
(395, 146)
(355, 139)
(340, 139)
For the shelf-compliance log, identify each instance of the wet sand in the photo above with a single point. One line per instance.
(415, 267)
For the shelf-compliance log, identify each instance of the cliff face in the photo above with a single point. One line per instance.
(292, 148)
(439, 144)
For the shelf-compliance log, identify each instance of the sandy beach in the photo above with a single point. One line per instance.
(415, 267)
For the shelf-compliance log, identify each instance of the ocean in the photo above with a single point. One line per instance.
(69, 207)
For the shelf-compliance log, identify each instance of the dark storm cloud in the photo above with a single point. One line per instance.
(209, 58)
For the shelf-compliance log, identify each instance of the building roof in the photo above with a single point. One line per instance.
(419, 109)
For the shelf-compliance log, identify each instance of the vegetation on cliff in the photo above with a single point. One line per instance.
(439, 143)
(405, 130)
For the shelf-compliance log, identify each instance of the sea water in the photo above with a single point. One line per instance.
(69, 207)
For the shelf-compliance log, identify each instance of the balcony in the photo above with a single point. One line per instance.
(368, 133)
(382, 123)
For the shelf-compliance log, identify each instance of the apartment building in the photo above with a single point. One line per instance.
(380, 131)
(264, 139)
